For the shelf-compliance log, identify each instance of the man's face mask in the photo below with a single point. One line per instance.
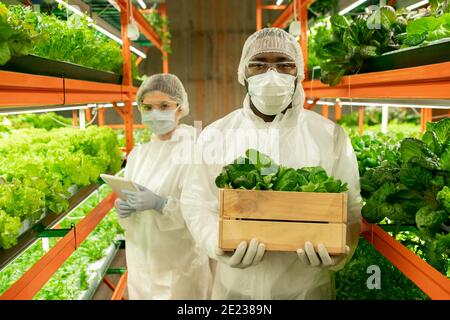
(271, 92)
(159, 122)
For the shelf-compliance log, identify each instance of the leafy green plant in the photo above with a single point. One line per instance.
(351, 282)
(373, 148)
(257, 171)
(324, 8)
(74, 40)
(426, 29)
(353, 40)
(48, 121)
(319, 33)
(72, 278)
(140, 135)
(411, 188)
(372, 117)
(12, 272)
(443, 197)
(15, 39)
(49, 165)
(345, 43)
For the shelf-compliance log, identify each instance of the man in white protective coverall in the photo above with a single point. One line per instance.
(162, 259)
(273, 121)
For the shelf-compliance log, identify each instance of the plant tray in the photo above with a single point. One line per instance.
(52, 68)
(435, 52)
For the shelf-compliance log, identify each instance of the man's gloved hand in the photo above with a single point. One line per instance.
(124, 210)
(145, 199)
(243, 257)
(322, 258)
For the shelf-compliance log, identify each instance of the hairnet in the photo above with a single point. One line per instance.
(168, 84)
(271, 40)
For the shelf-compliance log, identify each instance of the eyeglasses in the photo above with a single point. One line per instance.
(165, 105)
(261, 66)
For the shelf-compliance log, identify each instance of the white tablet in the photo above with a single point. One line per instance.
(118, 184)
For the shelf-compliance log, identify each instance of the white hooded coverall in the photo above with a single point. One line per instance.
(297, 138)
(162, 259)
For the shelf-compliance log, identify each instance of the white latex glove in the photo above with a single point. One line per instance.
(243, 257)
(321, 258)
(145, 199)
(124, 210)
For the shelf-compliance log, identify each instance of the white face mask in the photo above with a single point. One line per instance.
(271, 92)
(159, 122)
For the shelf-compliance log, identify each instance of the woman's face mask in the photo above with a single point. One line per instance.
(160, 122)
(271, 92)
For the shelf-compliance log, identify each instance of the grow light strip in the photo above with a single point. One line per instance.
(142, 4)
(107, 105)
(417, 5)
(119, 104)
(100, 29)
(42, 110)
(115, 38)
(379, 104)
(351, 7)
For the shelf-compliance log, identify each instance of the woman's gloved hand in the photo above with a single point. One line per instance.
(243, 257)
(124, 210)
(321, 258)
(145, 199)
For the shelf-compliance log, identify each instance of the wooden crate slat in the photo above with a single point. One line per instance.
(279, 205)
(283, 236)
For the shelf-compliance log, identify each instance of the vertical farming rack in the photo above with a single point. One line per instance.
(32, 92)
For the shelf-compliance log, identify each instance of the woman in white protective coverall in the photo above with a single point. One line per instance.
(273, 121)
(162, 259)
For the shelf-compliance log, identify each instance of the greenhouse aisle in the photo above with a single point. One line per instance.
(104, 292)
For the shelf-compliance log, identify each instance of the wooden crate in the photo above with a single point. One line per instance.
(283, 221)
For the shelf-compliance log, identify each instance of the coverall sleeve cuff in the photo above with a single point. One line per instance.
(170, 206)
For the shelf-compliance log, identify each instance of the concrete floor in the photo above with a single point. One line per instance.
(104, 292)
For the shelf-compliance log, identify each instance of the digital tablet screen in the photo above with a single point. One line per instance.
(118, 184)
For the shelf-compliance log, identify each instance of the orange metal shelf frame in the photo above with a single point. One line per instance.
(20, 89)
(120, 288)
(78, 91)
(28, 90)
(285, 17)
(423, 82)
(36, 277)
(288, 13)
(428, 279)
(147, 30)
